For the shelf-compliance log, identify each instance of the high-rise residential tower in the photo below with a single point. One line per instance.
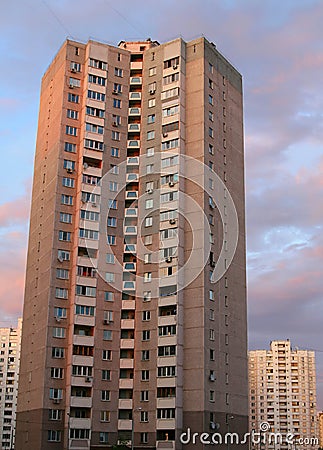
(10, 340)
(282, 385)
(135, 303)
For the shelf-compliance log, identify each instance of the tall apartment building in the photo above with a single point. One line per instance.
(10, 340)
(125, 336)
(320, 427)
(282, 384)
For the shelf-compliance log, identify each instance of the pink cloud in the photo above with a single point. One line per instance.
(15, 211)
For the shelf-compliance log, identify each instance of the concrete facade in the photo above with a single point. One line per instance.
(10, 341)
(139, 152)
(282, 392)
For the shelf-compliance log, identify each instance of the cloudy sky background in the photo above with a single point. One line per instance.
(278, 47)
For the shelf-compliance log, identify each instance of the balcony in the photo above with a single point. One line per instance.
(84, 320)
(125, 403)
(124, 424)
(79, 360)
(127, 343)
(131, 195)
(76, 422)
(129, 286)
(135, 81)
(167, 445)
(129, 231)
(128, 304)
(83, 340)
(136, 65)
(133, 160)
(129, 266)
(93, 171)
(132, 177)
(82, 381)
(134, 95)
(167, 402)
(167, 320)
(134, 112)
(166, 382)
(126, 383)
(127, 324)
(167, 300)
(126, 363)
(131, 212)
(81, 402)
(133, 143)
(165, 424)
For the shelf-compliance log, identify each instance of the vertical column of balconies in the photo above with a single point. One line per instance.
(87, 243)
(127, 343)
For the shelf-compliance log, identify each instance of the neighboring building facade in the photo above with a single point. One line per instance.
(282, 392)
(123, 332)
(320, 425)
(10, 340)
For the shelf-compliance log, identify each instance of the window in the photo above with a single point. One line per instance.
(89, 197)
(145, 355)
(54, 414)
(212, 355)
(147, 277)
(105, 396)
(69, 147)
(172, 110)
(116, 103)
(211, 183)
(105, 417)
(94, 128)
(144, 396)
(148, 221)
(146, 335)
(210, 68)
(211, 149)
(148, 239)
(68, 182)
(166, 413)
(173, 62)
(212, 335)
(145, 315)
(210, 100)
(74, 82)
(147, 296)
(145, 375)
(72, 114)
(173, 143)
(169, 197)
(167, 330)
(54, 436)
(168, 162)
(147, 258)
(210, 83)
(68, 164)
(61, 293)
(168, 350)
(143, 416)
(152, 71)
(211, 116)
(118, 72)
(170, 93)
(84, 310)
(106, 355)
(87, 291)
(149, 168)
(113, 186)
(73, 98)
(115, 135)
(109, 296)
(111, 239)
(94, 95)
(106, 375)
(71, 130)
(56, 372)
(59, 332)
(85, 233)
(63, 274)
(96, 112)
(89, 215)
(166, 371)
(98, 64)
(97, 80)
(64, 217)
(58, 352)
(149, 204)
(94, 145)
(211, 133)
(107, 335)
(75, 67)
(110, 259)
(112, 204)
(212, 397)
(63, 255)
(64, 236)
(151, 118)
(151, 102)
(171, 78)
(66, 200)
(150, 135)
(60, 313)
(109, 277)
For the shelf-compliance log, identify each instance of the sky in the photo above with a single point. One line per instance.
(278, 48)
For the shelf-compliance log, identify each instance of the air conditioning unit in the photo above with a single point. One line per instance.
(56, 400)
(69, 170)
(106, 321)
(150, 191)
(85, 165)
(60, 258)
(165, 134)
(73, 69)
(212, 377)
(114, 124)
(71, 86)
(94, 205)
(169, 259)
(88, 379)
(172, 221)
(152, 91)
(115, 91)
(175, 66)
(171, 184)
(58, 319)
